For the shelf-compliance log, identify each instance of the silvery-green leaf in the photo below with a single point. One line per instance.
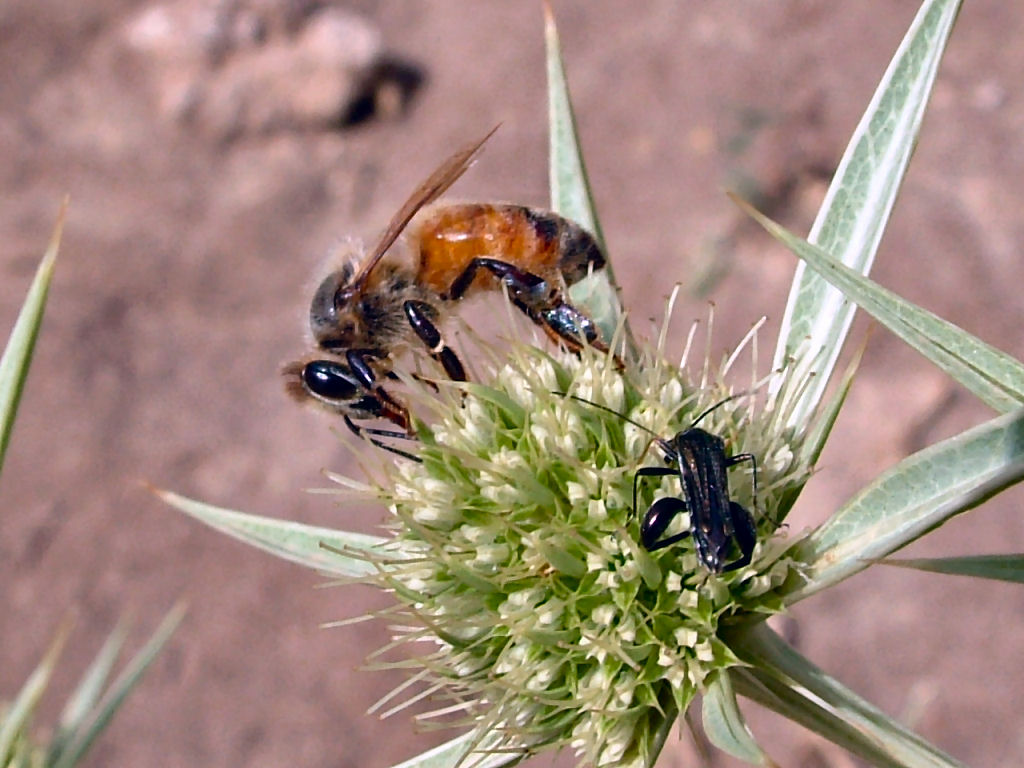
(303, 544)
(725, 725)
(570, 191)
(994, 376)
(790, 702)
(90, 689)
(859, 200)
(814, 443)
(453, 753)
(996, 567)
(905, 502)
(567, 175)
(783, 680)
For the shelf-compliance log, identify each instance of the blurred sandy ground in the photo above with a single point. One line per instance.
(209, 173)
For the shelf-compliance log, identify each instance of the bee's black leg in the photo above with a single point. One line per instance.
(359, 362)
(418, 313)
(392, 433)
(566, 324)
(538, 300)
(507, 273)
(370, 434)
(391, 409)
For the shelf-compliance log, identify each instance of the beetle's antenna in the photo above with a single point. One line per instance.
(622, 416)
(649, 431)
(720, 403)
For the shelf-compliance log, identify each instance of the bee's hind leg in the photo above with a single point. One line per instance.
(538, 300)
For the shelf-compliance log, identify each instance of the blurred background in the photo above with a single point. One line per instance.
(215, 152)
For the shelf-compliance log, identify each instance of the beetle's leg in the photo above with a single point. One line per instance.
(649, 472)
(657, 520)
(732, 461)
(745, 535)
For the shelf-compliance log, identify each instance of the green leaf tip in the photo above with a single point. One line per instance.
(312, 546)
(81, 725)
(992, 375)
(17, 356)
(996, 567)
(18, 716)
(861, 197)
(571, 196)
(725, 725)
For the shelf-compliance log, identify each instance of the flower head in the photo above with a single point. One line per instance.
(517, 555)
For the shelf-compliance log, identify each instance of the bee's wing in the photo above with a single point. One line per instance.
(442, 178)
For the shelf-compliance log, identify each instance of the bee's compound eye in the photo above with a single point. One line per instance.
(323, 312)
(330, 380)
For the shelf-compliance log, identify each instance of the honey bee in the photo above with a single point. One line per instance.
(374, 306)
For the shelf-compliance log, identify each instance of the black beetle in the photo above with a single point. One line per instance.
(716, 522)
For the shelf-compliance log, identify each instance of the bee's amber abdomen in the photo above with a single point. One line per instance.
(451, 236)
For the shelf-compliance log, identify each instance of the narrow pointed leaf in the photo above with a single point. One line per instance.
(17, 355)
(453, 753)
(88, 692)
(918, 494)
(793, 704)
(19, 714)
(125, 683)
(814, 443)
(597, 294)
(725, 725)
(860, 199)
(299, 543)
(996, 567)
(994, 376)
(567, 175)
(771, 658)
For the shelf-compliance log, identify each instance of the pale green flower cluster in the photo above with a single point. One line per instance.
(516, 553)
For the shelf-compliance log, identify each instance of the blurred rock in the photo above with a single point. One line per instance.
(241, 68)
